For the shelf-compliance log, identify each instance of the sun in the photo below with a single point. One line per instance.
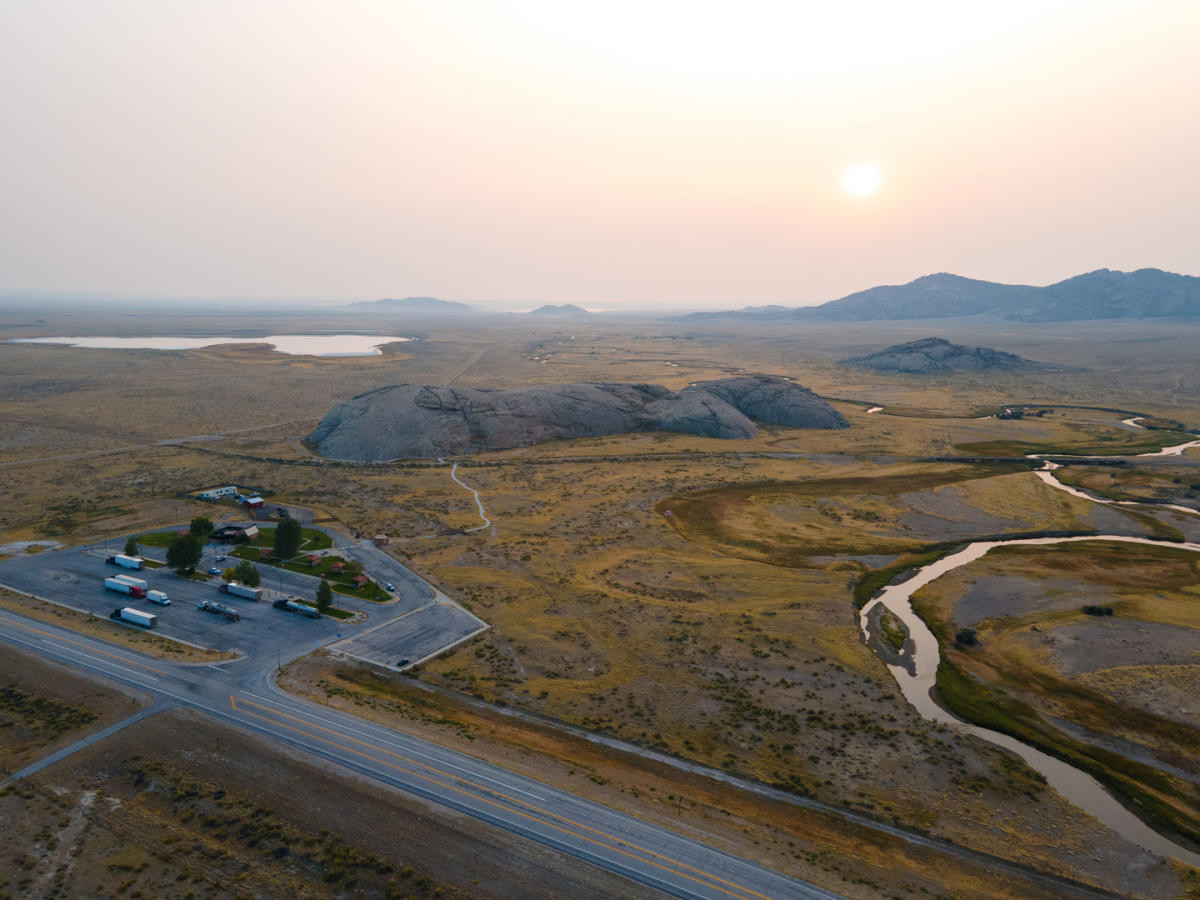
(862, 180)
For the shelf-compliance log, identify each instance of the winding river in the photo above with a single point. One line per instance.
(1075, 785)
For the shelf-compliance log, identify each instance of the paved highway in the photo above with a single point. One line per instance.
(243, 693)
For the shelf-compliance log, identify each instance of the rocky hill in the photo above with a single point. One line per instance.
(936, 355)
(412, 421)
(1103, 294)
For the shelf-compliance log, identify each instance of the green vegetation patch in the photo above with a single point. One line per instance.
(310, 539)
(369, 591)
(156, 538)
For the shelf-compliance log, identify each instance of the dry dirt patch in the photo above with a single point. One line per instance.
(177, 806)
(46, 706)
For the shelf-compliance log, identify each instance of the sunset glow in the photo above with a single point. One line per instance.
(862, 180)
(496, 151)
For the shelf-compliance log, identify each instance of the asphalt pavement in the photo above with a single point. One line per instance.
(243, 693)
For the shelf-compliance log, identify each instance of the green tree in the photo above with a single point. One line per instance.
(247, 573)
(230, 574)
(201, 527)
(324, 595)
(184, 552)
(131, 548)
(287, 539)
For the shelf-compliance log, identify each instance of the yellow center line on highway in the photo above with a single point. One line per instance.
(678, 866)
(50, 634)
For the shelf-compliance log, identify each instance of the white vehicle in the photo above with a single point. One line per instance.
(127, 562)
(241, 590)
(124, 587)
(134, 616)
(129, 579)
(158, 597)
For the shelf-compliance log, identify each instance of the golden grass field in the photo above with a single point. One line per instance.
(723, 633)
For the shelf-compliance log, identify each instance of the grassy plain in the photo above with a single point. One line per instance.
(724, 633)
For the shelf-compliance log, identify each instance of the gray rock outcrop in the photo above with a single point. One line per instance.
(415, 421)
(937, 355)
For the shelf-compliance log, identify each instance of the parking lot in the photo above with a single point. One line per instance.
(74, 577)
(414, 637)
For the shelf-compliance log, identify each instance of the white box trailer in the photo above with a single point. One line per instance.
(129, 579)
(241, 590)
(158, 597)
(127, 562)
(124, 587)
(134, 616)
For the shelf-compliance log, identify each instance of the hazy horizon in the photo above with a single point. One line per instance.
(623, 156)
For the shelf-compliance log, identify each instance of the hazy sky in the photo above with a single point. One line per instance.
(611, 154)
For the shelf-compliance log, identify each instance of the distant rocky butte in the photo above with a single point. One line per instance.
(933, 355)
(567, 309)
(414, 421)
(426, 305)
(1103, 294)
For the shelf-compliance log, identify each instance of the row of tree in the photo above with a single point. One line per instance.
(185, 552)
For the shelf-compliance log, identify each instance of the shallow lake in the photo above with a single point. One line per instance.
(294, 344)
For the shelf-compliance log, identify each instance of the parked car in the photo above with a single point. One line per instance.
(213, 570)
(403, 662)
(222, 557)
(389, 585)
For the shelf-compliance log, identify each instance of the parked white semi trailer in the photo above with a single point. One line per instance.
(127, 562)
(134, 616)
(241, 590)
(124, 587)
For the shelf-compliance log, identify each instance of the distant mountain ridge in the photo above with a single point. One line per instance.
(930, 356)
(1102, 294)
(426, 305)
(567, 309)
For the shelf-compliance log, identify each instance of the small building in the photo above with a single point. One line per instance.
(265, 554)
(337, 568)
(359, 580)
(235, 534)
(313, 559)
(381, 540)
(253, 502)
(217, 493)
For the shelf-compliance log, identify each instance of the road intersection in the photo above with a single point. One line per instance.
(243, 693)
